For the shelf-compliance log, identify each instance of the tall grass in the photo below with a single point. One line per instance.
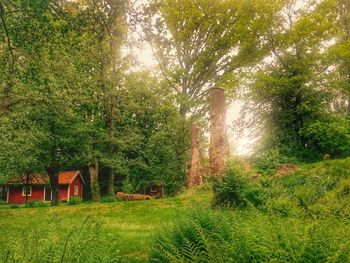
(302, 217)
(250, 236)
(82, 242)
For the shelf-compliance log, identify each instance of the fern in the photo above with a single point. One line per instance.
(250, 236)
(60, 245)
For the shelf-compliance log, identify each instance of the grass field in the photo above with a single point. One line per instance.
(130, 224)
(311, 204)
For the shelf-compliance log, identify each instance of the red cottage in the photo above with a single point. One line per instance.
(71, 183)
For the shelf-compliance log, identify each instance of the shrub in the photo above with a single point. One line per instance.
(236, 189)
(266, 162)
(74, 200)
(109, 199)
(36, 203)
(13, 206)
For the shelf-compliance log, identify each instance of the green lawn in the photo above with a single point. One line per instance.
(130, 223)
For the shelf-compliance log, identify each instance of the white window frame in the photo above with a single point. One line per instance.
(76, 190)
(29, 188)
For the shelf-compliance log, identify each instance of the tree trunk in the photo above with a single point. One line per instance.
(110, 151)
(5, 102)
(218, 149)
(110, 182)
(94, 185)
(26, 187)
(109, 99)
(53, 175)
(194, 175)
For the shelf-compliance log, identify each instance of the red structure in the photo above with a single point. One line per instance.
(71, 183)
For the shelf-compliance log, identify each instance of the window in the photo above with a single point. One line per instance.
(76, 190)
(27, 190)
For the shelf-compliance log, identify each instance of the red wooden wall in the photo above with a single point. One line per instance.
(15, 194)
(64, 192)
(76, 182)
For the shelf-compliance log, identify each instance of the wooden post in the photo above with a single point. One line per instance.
(195, 172)
(218, 149)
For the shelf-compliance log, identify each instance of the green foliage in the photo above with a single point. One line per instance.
(236, 189)
(205, 236)
(198, 238)
(36, 203)
(304, 218)
(344, 188)
(267, 161)
(70, 114)
(202, 35)
(14, 206)
(108, 199)
(153, 141)
(317, 190)
(127, 186)
(74, 200)
(329, 136)
(81, 243)
(293, 97)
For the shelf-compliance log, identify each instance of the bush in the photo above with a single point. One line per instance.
(236, 189)
(75, 200)
(13, 206)
(36, 203)
(109, 199)
(267, 162)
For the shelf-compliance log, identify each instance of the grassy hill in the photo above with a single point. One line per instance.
(303, 212)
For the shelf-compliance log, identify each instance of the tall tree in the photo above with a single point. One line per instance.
(291, 93)
(340, 54)
(41, 91)
(201, 44)
(107, 31)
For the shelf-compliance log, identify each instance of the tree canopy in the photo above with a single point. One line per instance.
(71, 96)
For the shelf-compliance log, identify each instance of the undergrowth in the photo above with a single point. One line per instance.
(299, 217)
(251, 236)
(82, 242)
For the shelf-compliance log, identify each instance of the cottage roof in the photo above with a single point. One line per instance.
(32, 179)
(66, 177)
